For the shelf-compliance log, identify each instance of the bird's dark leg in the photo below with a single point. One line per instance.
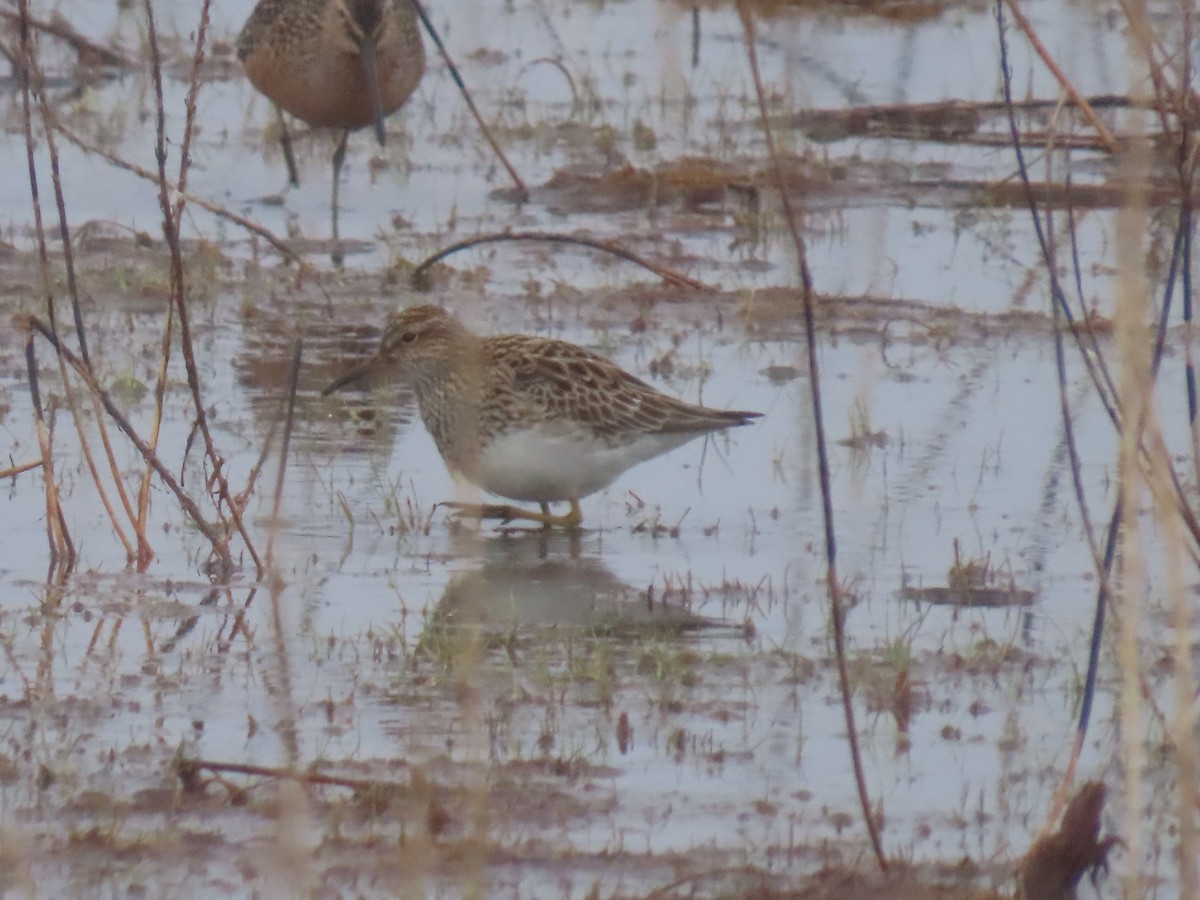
(285, 144)
(339, 157)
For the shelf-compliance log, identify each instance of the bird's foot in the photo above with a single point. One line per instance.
(507, 513)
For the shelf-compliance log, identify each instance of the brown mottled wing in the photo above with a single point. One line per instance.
(554, 380)
(263, 30)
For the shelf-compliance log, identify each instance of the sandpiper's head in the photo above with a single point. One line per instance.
(419, 344)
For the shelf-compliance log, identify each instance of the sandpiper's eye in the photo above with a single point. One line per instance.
(408, 337)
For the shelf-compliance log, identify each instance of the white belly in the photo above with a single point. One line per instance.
(548, 465)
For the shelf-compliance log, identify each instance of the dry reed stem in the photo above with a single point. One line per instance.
(1101, 380)
(1151, 52)
(33, 85)
(837, 608)
(291, 851)
(181, 184)
(1101, 563)
(1094, 360)
(1152, 466)
(62, 29)
(21, 468)
(170, 220)
(143, 550)
(160, 381)
(219, 544)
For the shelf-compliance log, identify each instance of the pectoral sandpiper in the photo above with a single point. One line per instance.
(334, 63)
(530, 418)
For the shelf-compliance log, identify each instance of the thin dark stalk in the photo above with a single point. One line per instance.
(837, 607)
(64, 233)
(1096, 369)
(522, 192)
(1061, 311)
(62, 550)
(34, 86)
(170, 221)
(1102, 565)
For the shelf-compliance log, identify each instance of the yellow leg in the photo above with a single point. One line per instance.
(506, 513)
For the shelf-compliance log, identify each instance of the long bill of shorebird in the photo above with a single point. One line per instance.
(370, 64)
(358, 373)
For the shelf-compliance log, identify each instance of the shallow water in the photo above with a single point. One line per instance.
(496, 666)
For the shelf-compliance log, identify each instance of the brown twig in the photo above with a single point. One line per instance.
(33, 86)
(14, 471)
(61, 546)
(63, 30)
(289, 422)
(208, 205)
(1064, 82)
(419, 279)
(171, 214)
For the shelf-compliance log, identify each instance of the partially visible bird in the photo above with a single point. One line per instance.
(530, 418)
(342, 64)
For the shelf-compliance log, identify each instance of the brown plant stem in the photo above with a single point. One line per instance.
(14, 471)
(33, 86)
(171, 214)
(219, 544)
(419, 276)
(1064, 82)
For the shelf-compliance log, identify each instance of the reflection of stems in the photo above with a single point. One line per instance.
(289, 421)
(219, 544)
(837, 607)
